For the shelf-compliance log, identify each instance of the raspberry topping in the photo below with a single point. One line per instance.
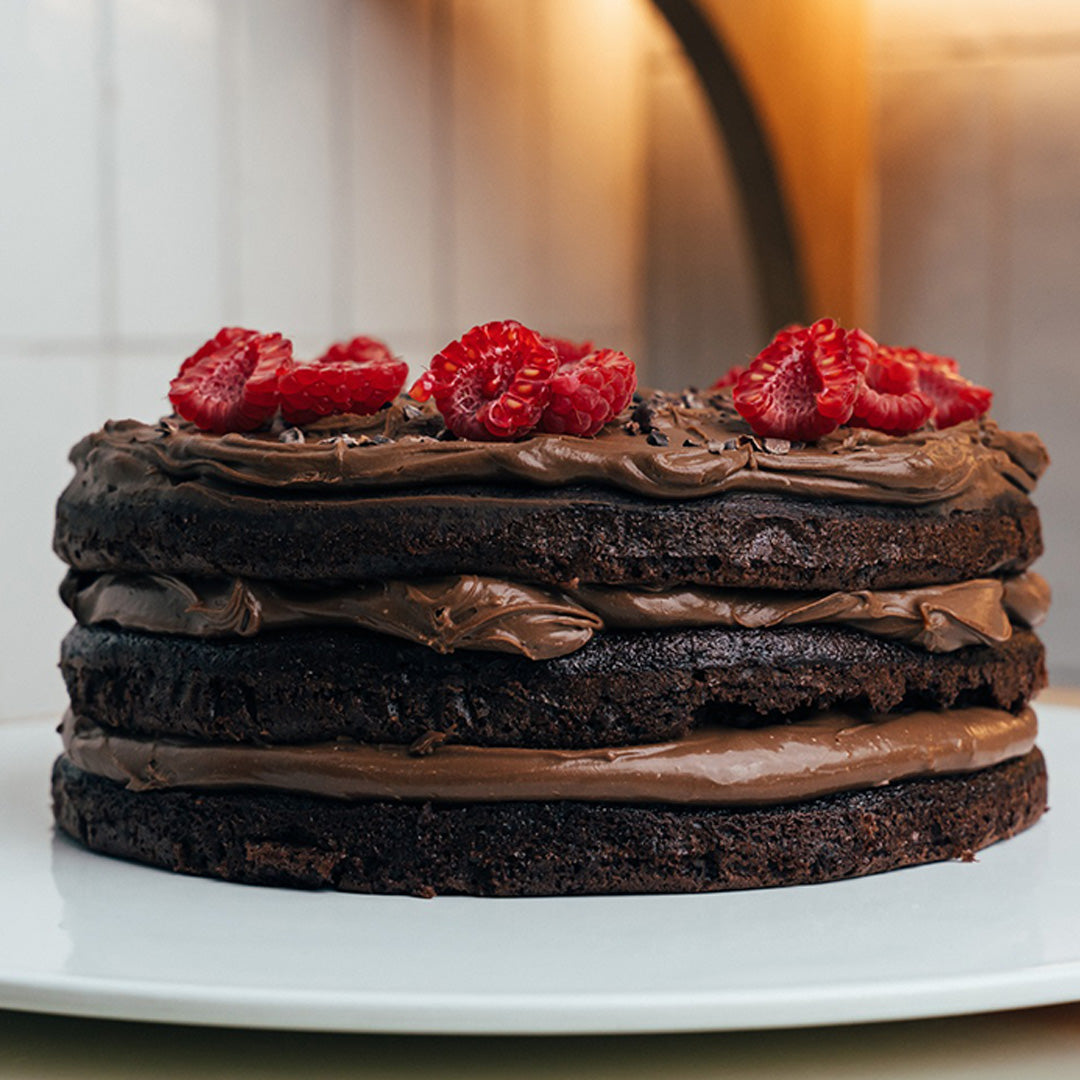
(890, 400)
(227, 335)
(494, 382)
(805, 382)
(569, 351)
(230, 383)
(357, 376)
(920, 359)
(729, 378)
(587, 393)
(421, 390)
(953, 398)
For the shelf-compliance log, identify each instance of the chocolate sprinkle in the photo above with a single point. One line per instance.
(642, 416)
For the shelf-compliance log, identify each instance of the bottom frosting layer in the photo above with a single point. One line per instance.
(716, 766)
(549, 848)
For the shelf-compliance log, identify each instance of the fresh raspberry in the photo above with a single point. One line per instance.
(587, 393)
(920, 359)
(953, 398)
(805, 382)
(358, 376)
(494, 382)
(421, 390)
(890, 400)
(569, 351)
(230, 383)
(227, 335)
(730, 378)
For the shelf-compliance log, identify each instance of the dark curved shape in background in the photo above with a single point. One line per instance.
(780, 280)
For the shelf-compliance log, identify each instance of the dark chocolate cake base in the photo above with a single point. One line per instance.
(621, 688)
(554, 848)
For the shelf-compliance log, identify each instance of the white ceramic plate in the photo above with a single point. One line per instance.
(92, 936)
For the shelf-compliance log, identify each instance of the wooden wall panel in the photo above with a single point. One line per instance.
(281, 166)
(397, 186)
(807, 67)
(702, 312)
(499, 189)
(595, 87)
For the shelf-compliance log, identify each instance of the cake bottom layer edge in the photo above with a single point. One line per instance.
(548, 848)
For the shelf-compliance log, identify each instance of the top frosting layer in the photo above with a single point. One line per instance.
(669, 447)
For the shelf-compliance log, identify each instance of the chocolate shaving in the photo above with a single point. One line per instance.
(777, 446)
(408, 418)
(428, 743)
(657, 438)
(291, 435)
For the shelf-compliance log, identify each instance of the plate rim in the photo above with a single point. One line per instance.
(802, 1005)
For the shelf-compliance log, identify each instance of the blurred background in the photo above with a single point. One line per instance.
(672, 178)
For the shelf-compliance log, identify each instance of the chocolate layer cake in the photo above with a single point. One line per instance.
(674, 656)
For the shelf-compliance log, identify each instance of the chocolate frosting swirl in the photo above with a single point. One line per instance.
(670, 447)
(475, 612)
(710, 767)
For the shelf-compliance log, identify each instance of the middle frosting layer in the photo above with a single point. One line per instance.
(716, 766)
(475, 612)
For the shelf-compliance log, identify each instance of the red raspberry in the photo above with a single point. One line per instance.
(422, 388)
(569, 351)
(230, 383)
(953, 398)
(730, 378)
(920, 359)
(805, 382)
(587, 393)
(358, 376)
(227, 335)
(890, 400)
(493, 383)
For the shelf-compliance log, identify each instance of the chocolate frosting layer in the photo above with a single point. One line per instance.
(670, 447)
(475, 612)
(711, 767)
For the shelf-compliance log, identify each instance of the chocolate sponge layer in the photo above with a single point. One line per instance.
(622, 687)
(592, 535)
(553, 848)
